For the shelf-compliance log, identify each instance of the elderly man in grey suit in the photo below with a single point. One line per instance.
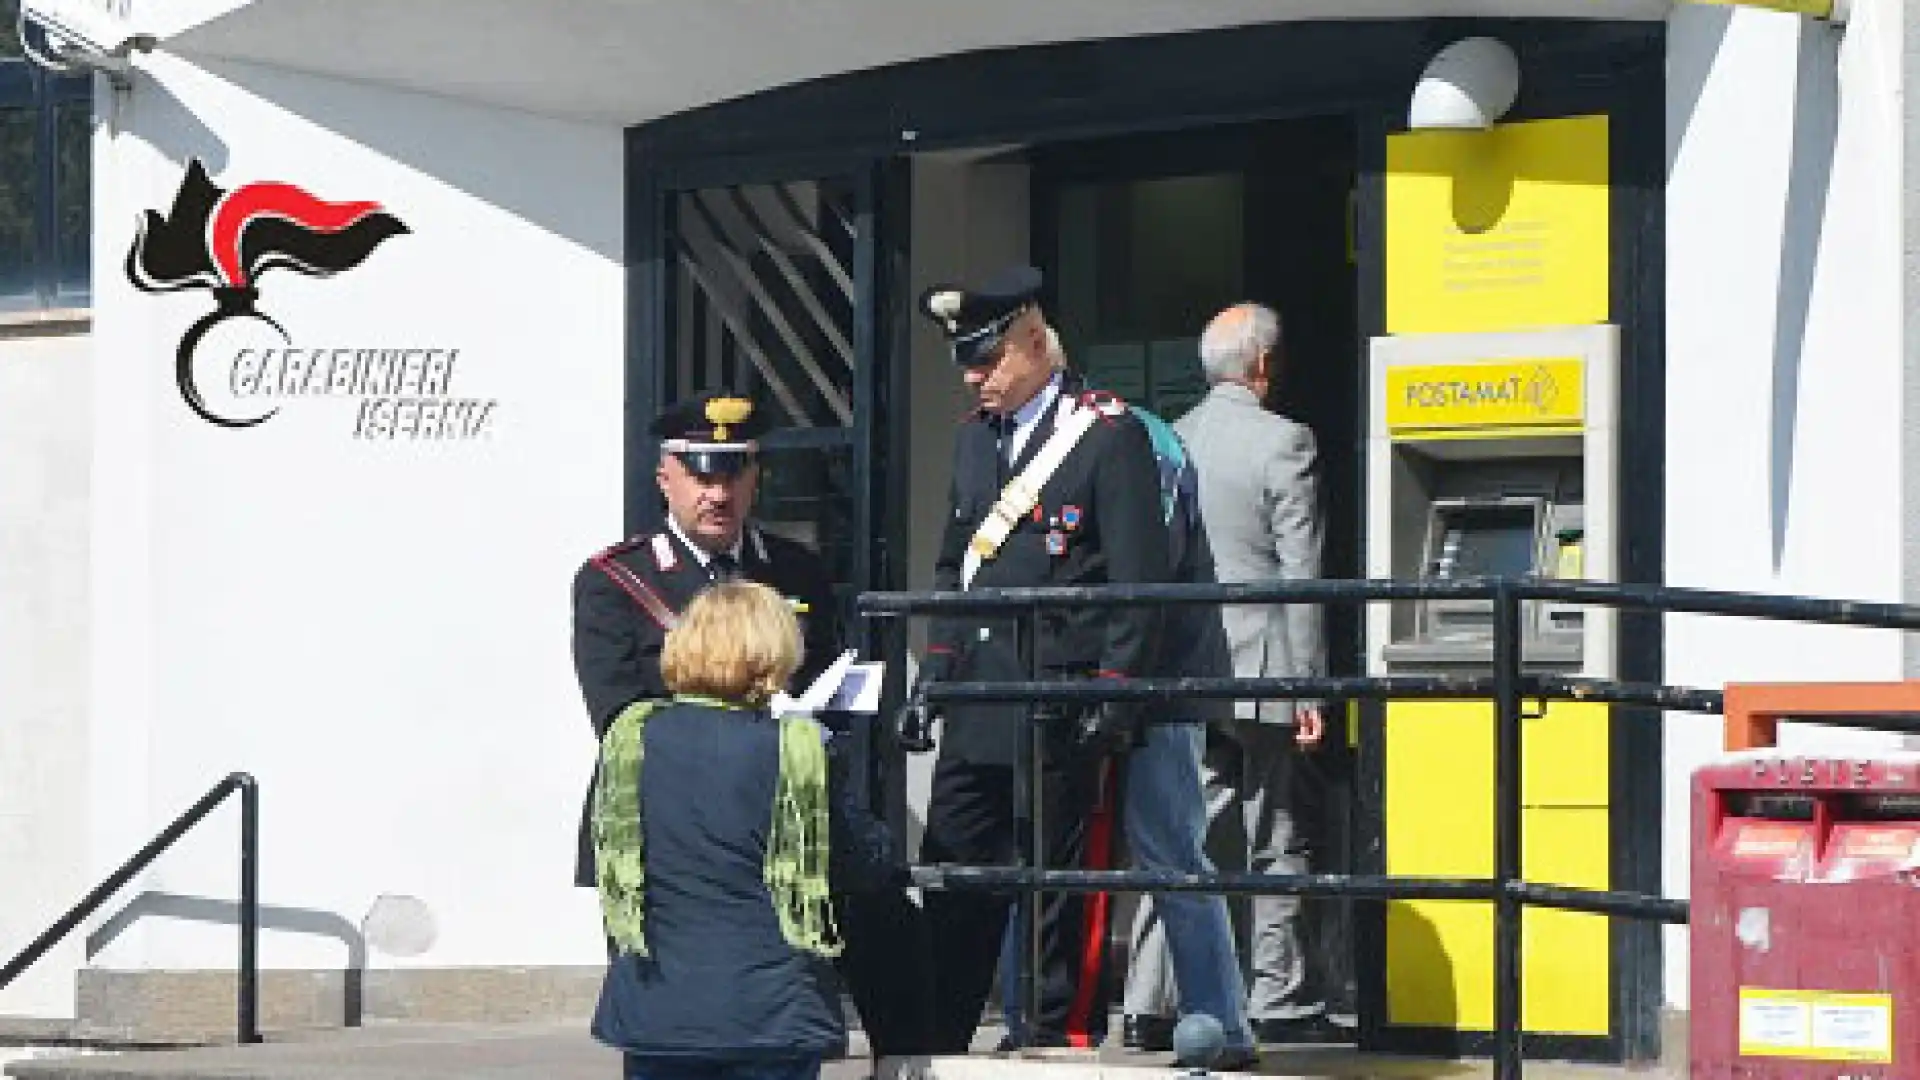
(1258, 500)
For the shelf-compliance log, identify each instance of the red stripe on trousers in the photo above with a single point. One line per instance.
(1093, 947)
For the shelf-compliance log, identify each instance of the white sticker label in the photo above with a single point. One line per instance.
(1862, 1028)
(1775, 1023)
(1816, 1025)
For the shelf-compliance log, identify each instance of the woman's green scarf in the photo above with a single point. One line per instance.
(797, 844)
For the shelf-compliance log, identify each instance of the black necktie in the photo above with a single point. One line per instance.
(1003, 429)
(723, 567)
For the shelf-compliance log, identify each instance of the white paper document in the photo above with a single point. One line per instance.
(859, 691)
(847, 685)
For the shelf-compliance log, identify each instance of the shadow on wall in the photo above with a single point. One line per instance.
(272, 919)
(1420, 980)
(173, 128)
(1816, 131)
(1694, 33)
(481, 151)
(1697, 35)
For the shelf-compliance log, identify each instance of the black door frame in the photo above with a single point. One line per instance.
(1365, 69)
(880, 387)
(878, 334)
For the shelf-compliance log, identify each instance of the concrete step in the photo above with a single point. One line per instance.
(566, 1052)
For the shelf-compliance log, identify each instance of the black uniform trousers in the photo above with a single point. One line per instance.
(882, 965)
(883, 958)
(971, 821)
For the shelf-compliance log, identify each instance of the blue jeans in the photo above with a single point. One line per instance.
(1165, 817)
(652, 1068)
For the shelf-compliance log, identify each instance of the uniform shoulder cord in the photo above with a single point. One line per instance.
(798, 845)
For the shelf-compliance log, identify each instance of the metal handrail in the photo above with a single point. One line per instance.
(1336, 688)
(1354, 886)
(1665, 599)
(249, 989)
(1508, 686)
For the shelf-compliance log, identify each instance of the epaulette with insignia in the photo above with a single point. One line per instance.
(663, 556)
(1106, 404)
(623, 547)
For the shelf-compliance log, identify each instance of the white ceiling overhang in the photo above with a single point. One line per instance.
(630, 61)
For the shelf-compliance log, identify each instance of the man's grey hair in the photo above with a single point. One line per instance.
(1235, 339)
(1056, 352)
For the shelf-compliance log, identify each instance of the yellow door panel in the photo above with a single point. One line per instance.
(1564, 755)
(1566, 846)
(1440, 964)
(1439, 761)
(1566, 954)
(1439, 778)
(1440, 953)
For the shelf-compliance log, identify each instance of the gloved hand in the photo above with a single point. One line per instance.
(913, 726)
(1112, 727)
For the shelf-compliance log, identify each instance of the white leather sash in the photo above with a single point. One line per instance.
(1020, 495)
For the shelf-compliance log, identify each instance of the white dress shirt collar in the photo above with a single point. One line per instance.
(700, 554)
(1027, 416)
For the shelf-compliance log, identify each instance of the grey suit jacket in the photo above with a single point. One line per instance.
(1260, 502)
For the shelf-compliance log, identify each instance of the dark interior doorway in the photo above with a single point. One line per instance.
(1143, 239)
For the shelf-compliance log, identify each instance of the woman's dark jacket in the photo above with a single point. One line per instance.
(720, 981)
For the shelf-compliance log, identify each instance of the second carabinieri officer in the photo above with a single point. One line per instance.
(1052, 485)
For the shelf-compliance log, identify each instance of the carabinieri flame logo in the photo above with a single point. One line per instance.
(223, 241)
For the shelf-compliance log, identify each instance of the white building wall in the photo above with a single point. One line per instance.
(377, 629)
(1784, 354)
(45, 430)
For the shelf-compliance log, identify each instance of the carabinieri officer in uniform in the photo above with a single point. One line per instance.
(1053, 485)
(625, 598)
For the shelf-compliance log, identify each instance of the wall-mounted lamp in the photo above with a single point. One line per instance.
(1469, 84)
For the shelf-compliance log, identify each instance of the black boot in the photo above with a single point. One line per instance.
(1153, 1034)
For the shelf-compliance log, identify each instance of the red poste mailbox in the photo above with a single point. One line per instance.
(1806, 917)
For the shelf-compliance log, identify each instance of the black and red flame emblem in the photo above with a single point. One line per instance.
(224, 240)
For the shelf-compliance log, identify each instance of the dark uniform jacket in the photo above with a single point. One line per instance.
(616, 643)
(1098, 521)
(720, 981)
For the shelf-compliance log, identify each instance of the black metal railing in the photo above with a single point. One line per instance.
(248, 1005)
(1507, 685)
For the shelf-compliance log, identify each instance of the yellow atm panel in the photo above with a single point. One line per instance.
(1440, 953)
(1492, 452)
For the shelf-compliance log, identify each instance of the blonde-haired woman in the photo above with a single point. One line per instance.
(714, 824)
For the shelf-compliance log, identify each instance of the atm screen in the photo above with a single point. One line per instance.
(1486, 541)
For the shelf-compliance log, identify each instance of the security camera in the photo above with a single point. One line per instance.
(80, 32)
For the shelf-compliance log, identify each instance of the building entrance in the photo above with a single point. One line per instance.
(778, 242)
(1144, 239)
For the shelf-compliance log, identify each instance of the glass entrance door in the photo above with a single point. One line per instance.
(1142, 265)
(772, 289)
(1144, 239)
(775, 286)
(763, 302)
